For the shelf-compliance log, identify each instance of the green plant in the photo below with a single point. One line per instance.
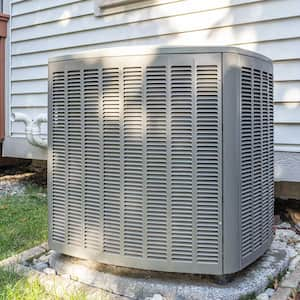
(15, 287)
(23, 221)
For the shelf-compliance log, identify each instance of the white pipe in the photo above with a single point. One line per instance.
(36, 131)
(32, 128)
(20, 117)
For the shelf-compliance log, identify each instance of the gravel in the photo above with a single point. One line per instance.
(285, 238)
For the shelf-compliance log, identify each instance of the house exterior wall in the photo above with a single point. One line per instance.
(40, 29)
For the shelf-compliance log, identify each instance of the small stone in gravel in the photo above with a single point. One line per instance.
(294, 263)
(65, 276)
(284, 225)
(263, 296)
(284, 234)
(297, 247)
(49, 271)
(40, 266)
(44, 258)
(156, 297)
(292, 252)
(269, 292)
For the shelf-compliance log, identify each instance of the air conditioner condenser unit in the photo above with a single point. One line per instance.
(162, 158)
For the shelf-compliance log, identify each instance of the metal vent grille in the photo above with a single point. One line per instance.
(181, 163)
(112, 176)
(58, 157)
(256, 158)
(133, 161)
(91, 162)
(209, 153)
(146, 194)
(74, 162)
(156, 134)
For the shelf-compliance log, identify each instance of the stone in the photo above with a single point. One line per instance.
(262, 296)
(292, 281)
(281, 294)
(35, 261)
(65, 276)
(40, 266)
(297, 247)
(44, 258)
(49, 271)
(285, 234)
(284, 225)
(155, 297)
(292, 252)
(294, 262)
(269, 292)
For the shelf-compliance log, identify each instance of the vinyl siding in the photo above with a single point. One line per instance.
(42, 28)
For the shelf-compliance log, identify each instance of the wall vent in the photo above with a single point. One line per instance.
(162, 159)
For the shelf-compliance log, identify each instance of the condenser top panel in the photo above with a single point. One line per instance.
(150, 50)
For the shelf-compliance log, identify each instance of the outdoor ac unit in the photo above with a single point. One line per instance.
(162, 158)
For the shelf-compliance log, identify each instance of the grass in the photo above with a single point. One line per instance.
(23, 224)
(23, 221)
(14, 287)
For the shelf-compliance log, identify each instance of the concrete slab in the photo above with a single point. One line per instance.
(138, 284)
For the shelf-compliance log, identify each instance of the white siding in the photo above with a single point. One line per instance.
(42, 28)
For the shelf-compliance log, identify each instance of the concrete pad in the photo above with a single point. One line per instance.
(139, 284)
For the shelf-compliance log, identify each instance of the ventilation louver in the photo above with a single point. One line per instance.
(162, 159)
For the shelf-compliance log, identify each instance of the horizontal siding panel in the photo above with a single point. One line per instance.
(62, 14)
(30, 73)
(287, 112)
(30, 100)
(287, 70)
(287, 91)
(256, 12)
(286, 148)
(33, 86)
(276, 49)
(27, 7)
(227, 35)
(87, 7)
(287, 134)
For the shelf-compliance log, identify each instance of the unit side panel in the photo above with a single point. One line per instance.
(256, 150)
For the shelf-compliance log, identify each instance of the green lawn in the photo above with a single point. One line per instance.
(23, 221)
(23, 224)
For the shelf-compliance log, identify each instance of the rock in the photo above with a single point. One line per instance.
(262, 296)
(156, 297)
(292, 252)
(66, 276)
(269, 292)
(40, 266)
(297, 247)
(284, 225)
(44, 258)
(49, 271)
(284, 234)
(294, 262)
